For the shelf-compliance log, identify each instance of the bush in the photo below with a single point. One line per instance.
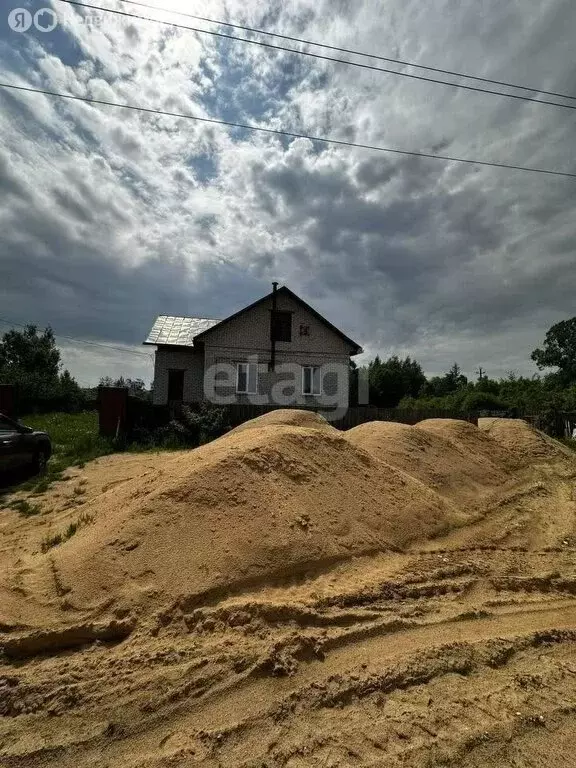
(483, 401)
(195, 427)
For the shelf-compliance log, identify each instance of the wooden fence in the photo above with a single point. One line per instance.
(353, 416)
(123, 415)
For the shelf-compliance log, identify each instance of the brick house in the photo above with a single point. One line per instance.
(277, 351)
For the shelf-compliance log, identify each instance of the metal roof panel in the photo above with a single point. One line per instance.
(178, 331)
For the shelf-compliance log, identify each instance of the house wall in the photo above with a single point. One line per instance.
(247, 339)
(334, 382)
(252, 330)
(179, 358)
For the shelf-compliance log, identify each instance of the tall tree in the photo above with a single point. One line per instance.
(135, 387)
(30, 359)
(394, 379)
(559, 351)
(439, 386)
(29, 352)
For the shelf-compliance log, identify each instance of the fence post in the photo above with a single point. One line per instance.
(112, 411)
(8, 400)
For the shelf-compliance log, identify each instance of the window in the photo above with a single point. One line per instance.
(281, 326)
(247, 378)
(304, 330)
(311, 383)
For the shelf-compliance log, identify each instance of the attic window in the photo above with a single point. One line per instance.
(281, 326)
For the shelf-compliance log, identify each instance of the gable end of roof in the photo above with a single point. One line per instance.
(283, 290)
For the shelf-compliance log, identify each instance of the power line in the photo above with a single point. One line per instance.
(348, 50)
(320, 56)
(79, 341)
(289, 134)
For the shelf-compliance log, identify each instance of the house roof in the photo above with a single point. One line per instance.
(183, 331)
(357, 349)
(178, 331)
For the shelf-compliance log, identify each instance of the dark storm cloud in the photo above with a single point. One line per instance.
(109, 218)
(49, 277)
(419, 253)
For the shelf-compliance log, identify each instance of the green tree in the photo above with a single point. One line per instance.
(29, 352)
(449, 383)
(30, 360)
(135, 387)
(559, 351)
(394, 379)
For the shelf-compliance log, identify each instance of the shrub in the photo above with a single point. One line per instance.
(483, 401)
(190, 429)
(25, 509)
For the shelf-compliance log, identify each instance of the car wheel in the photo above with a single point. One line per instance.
(40, 461)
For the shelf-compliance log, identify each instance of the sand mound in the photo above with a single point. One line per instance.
(526, 443)
(158, 634)
(247, 507)
(430, 457)
(287, 416)
(471, 441)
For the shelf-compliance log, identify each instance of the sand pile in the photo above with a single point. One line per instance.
(254, 504)
(471, 441)
(526, 444)
(158, 634)
(447, 465)
(288, 417)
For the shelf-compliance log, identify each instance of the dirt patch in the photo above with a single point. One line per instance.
(55, 640)
(294, 596)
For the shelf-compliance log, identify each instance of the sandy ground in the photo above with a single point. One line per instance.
(292, 596)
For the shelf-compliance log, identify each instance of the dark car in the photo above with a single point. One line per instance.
(22, 446)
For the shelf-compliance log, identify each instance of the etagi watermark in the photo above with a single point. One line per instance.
(327, 388)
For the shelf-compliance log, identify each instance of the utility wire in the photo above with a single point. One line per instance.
(79, 341)
(347, 50)
(320, 56)
(289, 134)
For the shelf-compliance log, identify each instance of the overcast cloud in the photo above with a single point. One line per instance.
(110, 217)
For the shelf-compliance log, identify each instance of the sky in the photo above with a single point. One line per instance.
(111, 217)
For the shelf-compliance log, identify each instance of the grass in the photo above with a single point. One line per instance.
(60, 538)
(75, 441)
(24, 508)
(75, 437)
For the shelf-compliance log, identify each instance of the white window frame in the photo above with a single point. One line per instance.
(312, 368)
(247, 391)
